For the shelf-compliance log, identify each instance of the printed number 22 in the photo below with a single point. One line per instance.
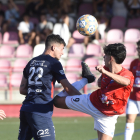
(39, 72)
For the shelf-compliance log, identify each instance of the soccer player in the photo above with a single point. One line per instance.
(109, 101)
(37, 83)
(2, 114)
(133, 106)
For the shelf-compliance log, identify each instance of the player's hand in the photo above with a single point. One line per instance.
(2, 114)
(100, 69)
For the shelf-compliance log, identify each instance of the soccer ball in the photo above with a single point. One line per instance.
(87, 25)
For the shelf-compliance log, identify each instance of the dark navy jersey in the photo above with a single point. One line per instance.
(41, 73)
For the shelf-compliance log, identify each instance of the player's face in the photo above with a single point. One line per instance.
(107, 60)
(58, 51)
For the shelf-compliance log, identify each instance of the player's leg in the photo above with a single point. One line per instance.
(88, 77)
(131, 114)
(102, 136)
(25, 132)
(42, 127)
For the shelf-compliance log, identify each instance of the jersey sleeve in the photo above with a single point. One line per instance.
(25, 70)
(58, 71)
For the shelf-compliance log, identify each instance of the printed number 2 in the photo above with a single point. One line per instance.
(39, 72)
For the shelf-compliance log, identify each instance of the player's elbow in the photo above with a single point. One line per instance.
(56, 101)
(127, 82)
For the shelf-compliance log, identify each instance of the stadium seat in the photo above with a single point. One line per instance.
(76, 50)
(126, 63)
(131, 35)
(15, 79)
(0, 38)
(78, 37)
(85, 8)
(10, 37)
(130, 49)
(24, 51)
(7, 51)
(133, 23)
(93, 50)
(117, 22)
(114, 36)
(3, 81)
(5, 65)
(72, 77)
(73, 65)
(38, 50)
(19, 65)
(92, 63)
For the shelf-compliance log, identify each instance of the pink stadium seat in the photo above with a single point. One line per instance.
(10, 37)
(85, 8)
(133, 23)
(24, 51)
(131, 35)
(126, 63)
(19, 65)
(7, 51)
(130, 49)
(0, 38)
(78, 37)
(72, 77)
(76, 50)
(73, 65)
(16, 79)
(3, 81)
(114, 36)
(117, 22)
(93, 50)
(5, 65)
(92, 63)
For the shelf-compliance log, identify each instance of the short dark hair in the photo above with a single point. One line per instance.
(117, 50)
(52, 38)
(138, 43)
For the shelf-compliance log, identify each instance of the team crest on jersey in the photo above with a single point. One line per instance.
(62, 72)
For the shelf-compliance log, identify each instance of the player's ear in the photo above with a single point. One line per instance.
(52, 48)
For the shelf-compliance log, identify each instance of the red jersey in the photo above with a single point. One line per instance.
(135, 69)
(111, 98)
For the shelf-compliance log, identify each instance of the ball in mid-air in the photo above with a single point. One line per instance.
(87, 25)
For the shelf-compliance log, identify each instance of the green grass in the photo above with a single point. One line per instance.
(77, 128)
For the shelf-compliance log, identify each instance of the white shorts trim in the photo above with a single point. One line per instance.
(102, 122)
(133, 107)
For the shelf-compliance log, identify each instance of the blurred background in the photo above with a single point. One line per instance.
(25, 24)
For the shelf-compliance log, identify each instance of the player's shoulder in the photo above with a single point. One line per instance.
(126, 72)
(135, 61)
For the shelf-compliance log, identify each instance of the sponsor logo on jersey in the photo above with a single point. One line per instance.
(43, 133)
(62, 72)
(76, 99)
(137, 73)
(37, 63)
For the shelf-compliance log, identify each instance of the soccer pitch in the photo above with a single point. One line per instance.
(76, 128)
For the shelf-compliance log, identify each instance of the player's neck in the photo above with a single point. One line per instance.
(116, 68)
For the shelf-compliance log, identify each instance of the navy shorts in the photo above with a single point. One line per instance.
(35, 126)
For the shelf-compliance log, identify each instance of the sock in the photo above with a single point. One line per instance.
(129, 130)
(78, 85)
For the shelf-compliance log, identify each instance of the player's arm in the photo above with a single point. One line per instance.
(99, 81)
(23, 86)
(71, 90)
(117, 78)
